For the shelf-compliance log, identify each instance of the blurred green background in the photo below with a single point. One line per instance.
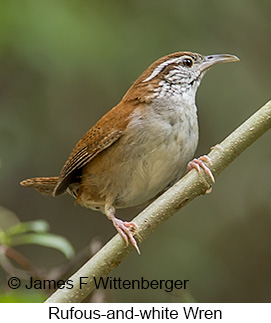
(63, 64)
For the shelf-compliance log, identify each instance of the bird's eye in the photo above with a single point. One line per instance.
(187, 62)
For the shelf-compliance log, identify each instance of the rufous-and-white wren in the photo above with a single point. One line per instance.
(140, 147)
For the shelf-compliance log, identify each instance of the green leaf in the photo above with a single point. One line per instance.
(46, 240)
(7, 219)
(22, 297)
(35, 226)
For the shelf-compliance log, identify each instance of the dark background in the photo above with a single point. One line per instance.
(63, 64)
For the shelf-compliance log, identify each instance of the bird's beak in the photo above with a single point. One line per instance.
(211, 60)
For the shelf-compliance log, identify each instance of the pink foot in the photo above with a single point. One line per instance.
(126, 229)
(198, 163)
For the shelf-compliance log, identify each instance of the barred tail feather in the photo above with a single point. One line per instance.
(44, 185)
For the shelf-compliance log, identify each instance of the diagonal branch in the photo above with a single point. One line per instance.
(184, 191)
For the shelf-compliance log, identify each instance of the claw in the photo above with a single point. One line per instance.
(126, 229)
(198, 163)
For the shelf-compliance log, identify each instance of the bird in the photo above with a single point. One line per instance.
(140, 147)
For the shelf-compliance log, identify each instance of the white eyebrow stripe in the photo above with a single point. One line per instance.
(160, 67)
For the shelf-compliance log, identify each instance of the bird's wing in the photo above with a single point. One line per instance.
(101, 136)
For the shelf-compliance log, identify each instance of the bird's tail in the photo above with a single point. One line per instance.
(44, 185)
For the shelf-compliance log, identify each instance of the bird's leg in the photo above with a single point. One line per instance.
(125, 229)
(198, 163)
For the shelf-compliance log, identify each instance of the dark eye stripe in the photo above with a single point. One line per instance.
(162, 66)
